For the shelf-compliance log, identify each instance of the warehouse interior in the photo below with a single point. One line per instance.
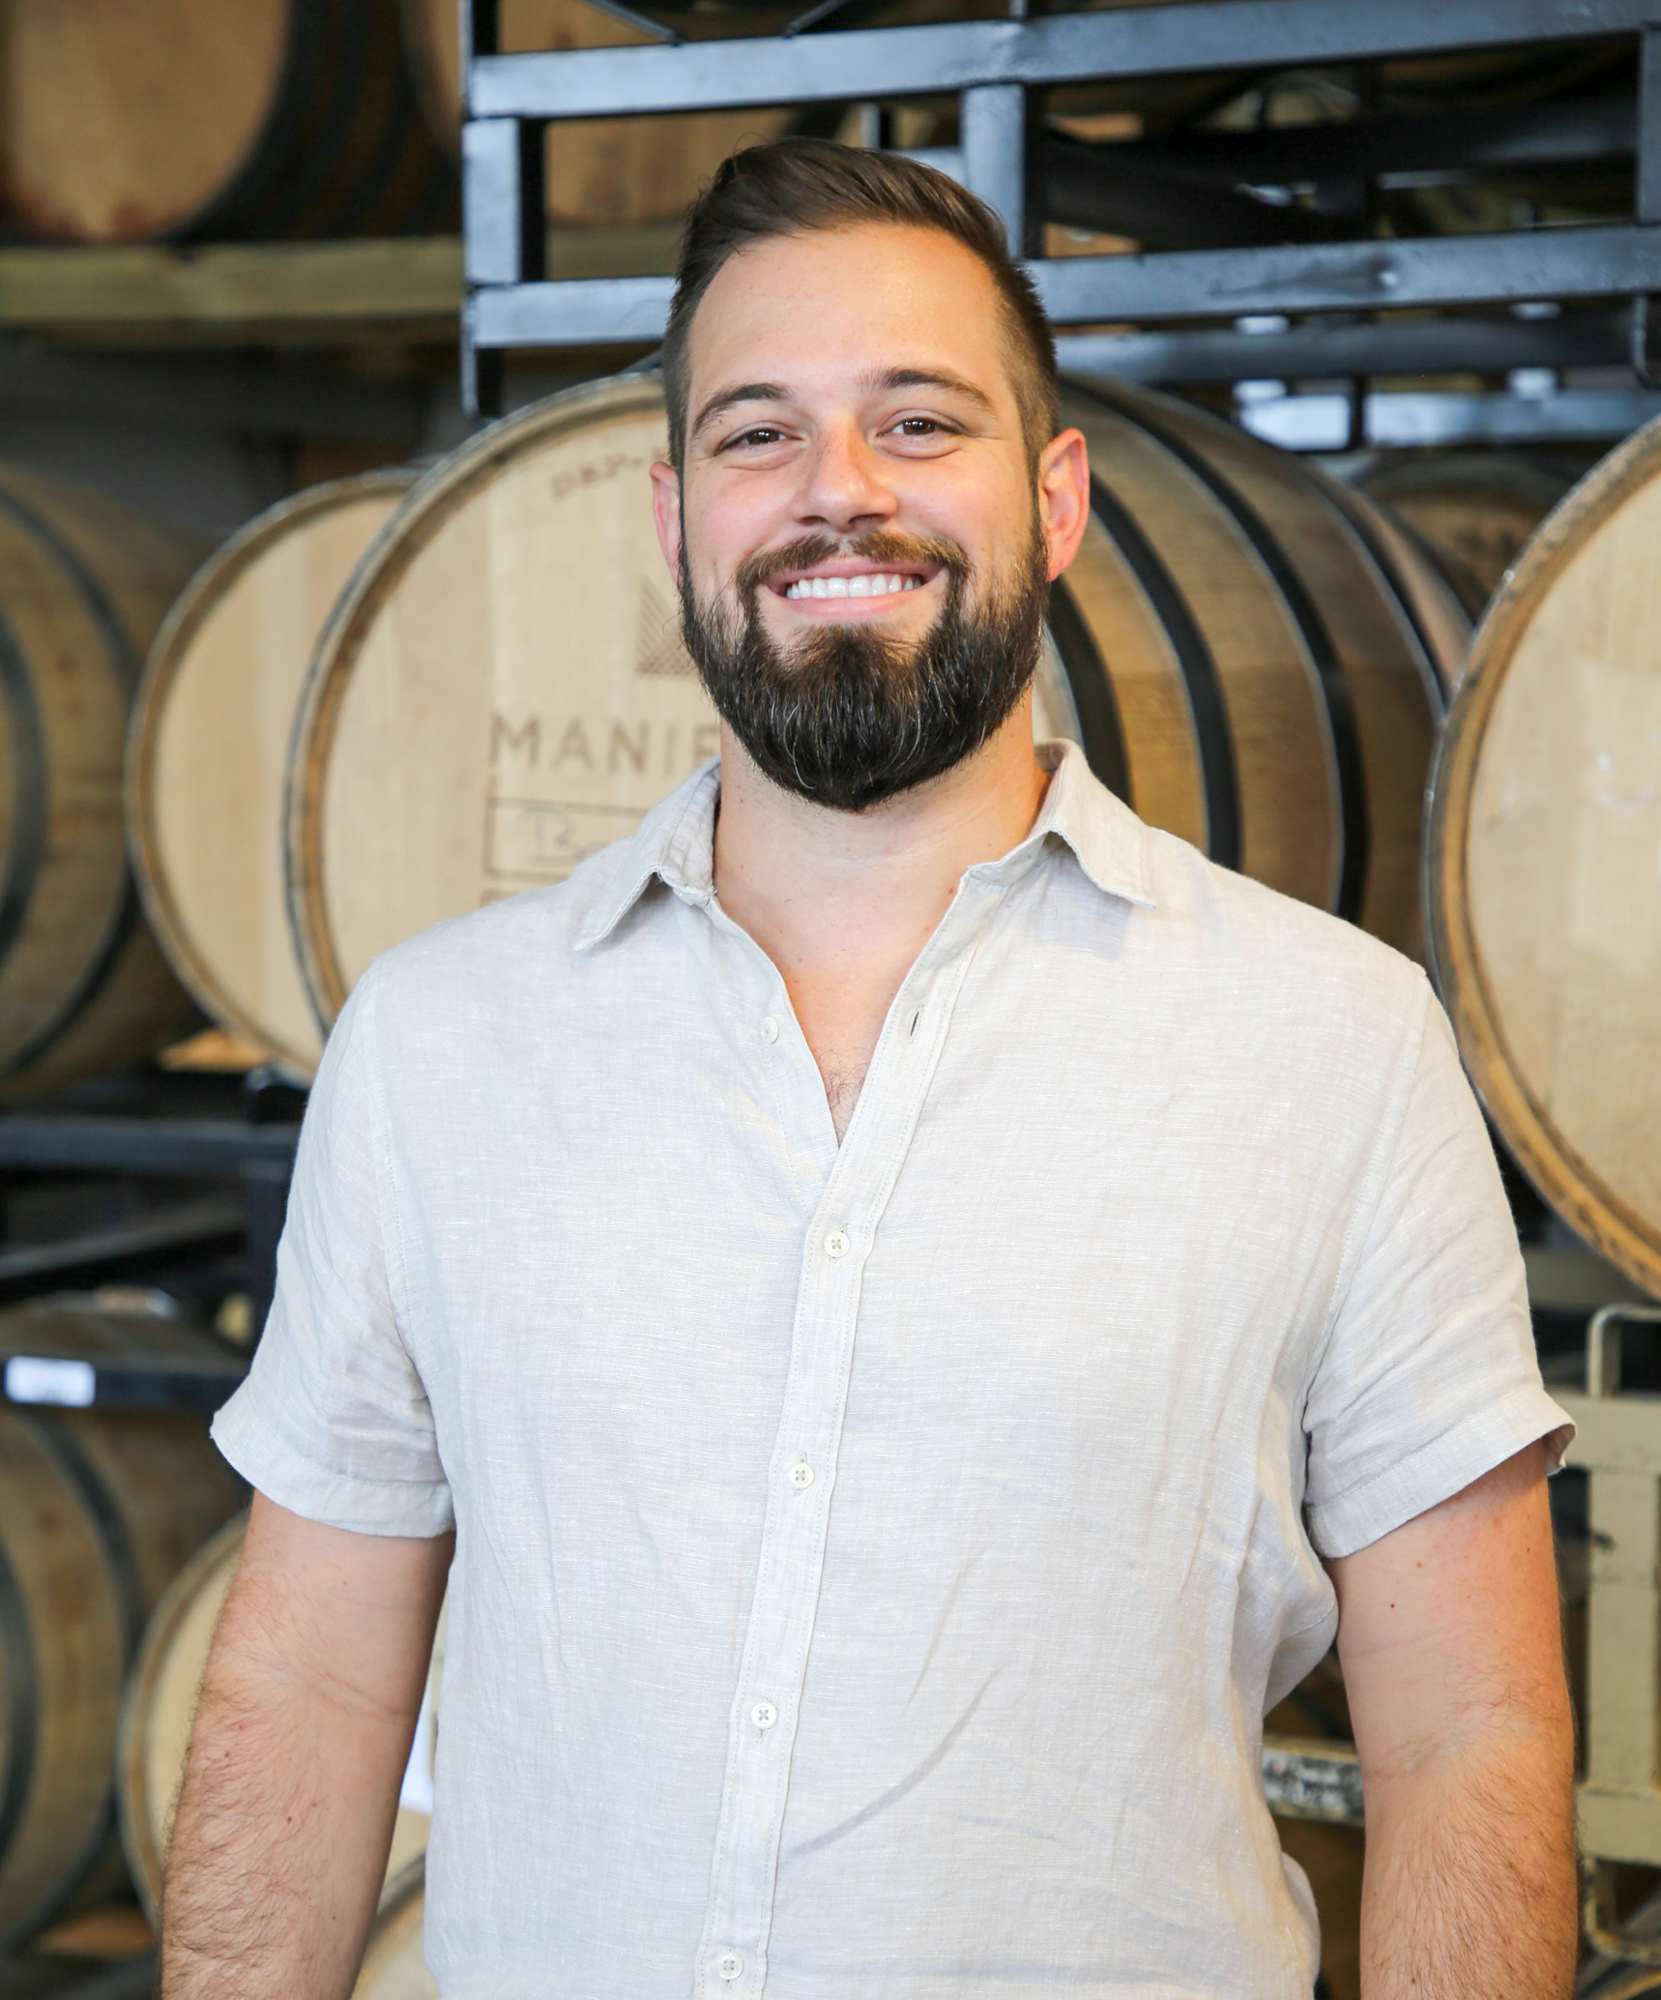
(325, 326)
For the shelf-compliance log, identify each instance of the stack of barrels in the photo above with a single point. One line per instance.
(134, 120)
(99, 1510)
(388, 701)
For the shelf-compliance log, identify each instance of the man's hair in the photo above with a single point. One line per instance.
(796, 186)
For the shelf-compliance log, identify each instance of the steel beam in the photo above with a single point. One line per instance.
(185, 1146)
(1604, 262)
(1163, 40)
(501, 201)
(574, 312)
(1399, 420)
(1647, 191)
(994, 123)
(1183, 284)
(1319, 351)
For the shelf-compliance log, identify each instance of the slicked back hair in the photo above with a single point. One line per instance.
(795, 187)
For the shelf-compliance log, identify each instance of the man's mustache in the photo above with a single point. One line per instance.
(880, 545)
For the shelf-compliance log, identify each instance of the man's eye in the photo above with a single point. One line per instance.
(918, 426)
(756, 434)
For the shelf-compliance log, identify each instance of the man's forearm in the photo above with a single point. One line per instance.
(1470, 1884)
(279, 1844)
(308, 1707)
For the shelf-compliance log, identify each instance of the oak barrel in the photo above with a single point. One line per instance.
(1259, 661)
(1544, 859)
(84, 584)
(129, 119)
(160, 1706)
(98, 1510)
(1473, 510)
(502, 688)
(209, 738)
(596, 170)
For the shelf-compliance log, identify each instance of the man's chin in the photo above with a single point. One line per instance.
(787, 628)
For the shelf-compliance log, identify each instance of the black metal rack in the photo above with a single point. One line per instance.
(235, 1161)
(1284, 285)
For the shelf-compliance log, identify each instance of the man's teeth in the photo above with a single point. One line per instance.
(852, 586)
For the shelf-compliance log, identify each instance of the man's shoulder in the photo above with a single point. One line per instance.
(498, 952)
(1261, 952)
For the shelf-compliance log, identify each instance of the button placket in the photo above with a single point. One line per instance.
(738, 1915)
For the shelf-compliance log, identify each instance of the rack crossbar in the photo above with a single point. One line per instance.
(949, 56)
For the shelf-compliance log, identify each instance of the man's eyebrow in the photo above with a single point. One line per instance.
(746, 392)
(931, 378)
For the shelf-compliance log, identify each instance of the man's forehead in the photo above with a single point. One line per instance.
(866, 308)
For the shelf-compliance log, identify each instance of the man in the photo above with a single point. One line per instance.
(923, 1302)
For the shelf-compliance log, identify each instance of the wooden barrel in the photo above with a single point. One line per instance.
(1473, 510)
(128, 119)
(597, 170)
(83, 586)
(160, 1707)
(1544, 885)
(97, 1512)
(502, 688)
(1257, 660)
(209, 738)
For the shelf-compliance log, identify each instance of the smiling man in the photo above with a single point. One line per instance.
(919, 1304)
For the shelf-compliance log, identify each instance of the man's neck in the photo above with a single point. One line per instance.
(842, 903)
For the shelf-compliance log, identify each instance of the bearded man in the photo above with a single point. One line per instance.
(919, 1304)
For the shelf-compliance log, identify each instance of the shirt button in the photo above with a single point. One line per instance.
(764, 1715)
(769, 1028)
(729, 1965)
(801, 1475)
(837, 1244)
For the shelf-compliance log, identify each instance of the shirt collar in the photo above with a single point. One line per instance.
(1106, 838)
(675, 843)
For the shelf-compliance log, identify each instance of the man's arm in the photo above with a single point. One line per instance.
(307, 1713)
(1451, 1646)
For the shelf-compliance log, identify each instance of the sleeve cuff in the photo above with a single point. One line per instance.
(1440, 1469)
(420, 1508)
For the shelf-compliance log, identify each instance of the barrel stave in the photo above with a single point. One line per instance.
(83, 585)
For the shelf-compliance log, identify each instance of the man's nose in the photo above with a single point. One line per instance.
(845, 487)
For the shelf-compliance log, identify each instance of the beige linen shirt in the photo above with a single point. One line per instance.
(874, 1563)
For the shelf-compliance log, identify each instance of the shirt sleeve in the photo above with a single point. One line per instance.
(1428, 1378)
(333, 1421)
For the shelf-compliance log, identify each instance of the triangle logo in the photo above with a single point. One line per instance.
(659, 654)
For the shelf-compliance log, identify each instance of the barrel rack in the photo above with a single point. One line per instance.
(244, 1152)
(1277, 292)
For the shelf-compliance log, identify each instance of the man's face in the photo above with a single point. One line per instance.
(860, 541)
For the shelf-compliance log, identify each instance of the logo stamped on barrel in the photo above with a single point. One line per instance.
(541, 840)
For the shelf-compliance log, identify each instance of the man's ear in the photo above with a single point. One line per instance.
(666, 512)
(1063, 497)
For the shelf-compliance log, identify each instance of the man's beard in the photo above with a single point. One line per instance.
(847, 716)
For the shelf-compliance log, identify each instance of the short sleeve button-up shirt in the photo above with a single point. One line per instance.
(874, 1561)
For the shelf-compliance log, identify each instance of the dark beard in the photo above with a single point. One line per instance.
(847, 717)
